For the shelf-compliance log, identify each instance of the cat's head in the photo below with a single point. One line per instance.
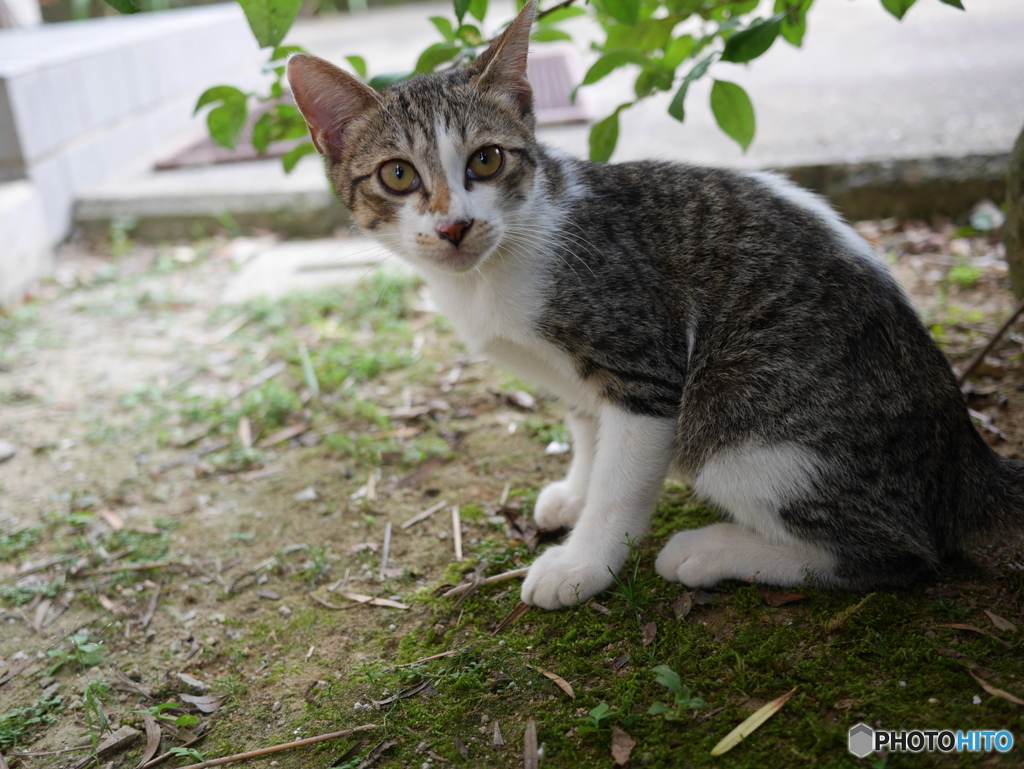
(439, 166)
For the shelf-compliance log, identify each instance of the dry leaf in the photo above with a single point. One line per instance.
(999, 622)
(622, 746)
(682, 604)
(531, 758)
(973, 629)
(993, 690)
(207, 703)
(516, 613)
(703, 597)
(777, 599)
(375, 755)
(122, 738)
(284, 435)
(426, 687)
(521, 528)
(498, 740)
(649, 631)
(113, 519)
(153, 735)
(562, 683)
(461, 747)
(751, 725)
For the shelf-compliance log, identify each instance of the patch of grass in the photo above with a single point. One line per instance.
(14, 544)
(19, 724)
(19, 595)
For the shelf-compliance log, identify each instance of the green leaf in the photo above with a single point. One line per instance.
(649, 80)
(954, 3)
(358, 64)
(751, 42)
(668, 678)
(380, 82)
(563, 13)
(444, 27)
(675, 108)
(477, 9)
(461, 6)
(733, 111)
(604, 136)
(897, 8)
(284, 51)
(124, 6)
(794, 23)
(612, 61)
(436, 55)
(658, 708)
(270, 20)
(293, 156)
(647, 35)
(549, 35)
(226, 121)
(677, 51)
(261, 133)
(470, 35)
(601, 711)
(623, 11)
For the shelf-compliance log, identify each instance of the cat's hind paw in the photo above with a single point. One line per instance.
(704, 557)
(558, 505)
(559, 578)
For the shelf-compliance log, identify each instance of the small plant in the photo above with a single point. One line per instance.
(94, 695)
(949, 608)
(82, 653)
(592, 722)
(628, 589)
(190, 753)
(157, 711)
(964, 275)
(668, 678)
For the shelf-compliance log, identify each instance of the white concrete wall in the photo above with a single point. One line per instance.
(86, 101)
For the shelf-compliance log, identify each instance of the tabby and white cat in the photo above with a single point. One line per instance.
(724, 325)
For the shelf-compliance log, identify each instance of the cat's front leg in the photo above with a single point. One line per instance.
(630, 462)
(560, 503)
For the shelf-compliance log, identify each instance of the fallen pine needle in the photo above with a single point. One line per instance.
(385, 551)
(280, 748)
(117, 569)
(359, 600)
(751, 725)
(460, 589)
(424, 515)
(994, 690)
(432, 657)
(457, 532)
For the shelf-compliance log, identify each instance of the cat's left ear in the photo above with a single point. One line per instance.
(502, 67)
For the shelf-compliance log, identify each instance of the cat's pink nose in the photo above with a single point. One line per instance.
(453, 232)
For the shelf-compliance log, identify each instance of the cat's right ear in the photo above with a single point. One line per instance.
(329, 98)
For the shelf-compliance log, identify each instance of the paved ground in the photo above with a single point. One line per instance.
(937, 99)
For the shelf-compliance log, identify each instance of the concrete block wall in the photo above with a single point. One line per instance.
(83, 102)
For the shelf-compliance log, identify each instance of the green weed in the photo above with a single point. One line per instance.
(17, 725)
(668, 678)
(14, 544)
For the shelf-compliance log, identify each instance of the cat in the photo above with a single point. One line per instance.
(722, 325)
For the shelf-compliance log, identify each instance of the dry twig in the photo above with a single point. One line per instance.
(279, 748)
(459, 589)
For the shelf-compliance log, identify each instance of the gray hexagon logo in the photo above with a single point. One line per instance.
(861, 740)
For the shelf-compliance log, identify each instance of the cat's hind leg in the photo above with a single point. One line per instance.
(560, 503)
(704, 557)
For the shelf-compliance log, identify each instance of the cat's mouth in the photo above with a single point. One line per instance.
(458, 259)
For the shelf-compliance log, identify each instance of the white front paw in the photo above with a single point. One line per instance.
(560, 578)
(558, 505)
(691, 559)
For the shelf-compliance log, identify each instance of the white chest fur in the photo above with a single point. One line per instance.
(496, 310)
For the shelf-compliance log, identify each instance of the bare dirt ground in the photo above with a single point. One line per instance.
(193, 486)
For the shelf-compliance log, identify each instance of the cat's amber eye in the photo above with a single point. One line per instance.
(485, 162)
(399, 176)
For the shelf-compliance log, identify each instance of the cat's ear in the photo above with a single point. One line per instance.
(329, 98)
(502, 67)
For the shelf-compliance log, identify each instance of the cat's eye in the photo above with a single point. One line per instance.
(399, 176)
(485, 162)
